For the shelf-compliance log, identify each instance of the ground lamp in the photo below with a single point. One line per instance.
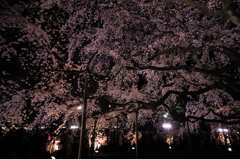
(224, 131)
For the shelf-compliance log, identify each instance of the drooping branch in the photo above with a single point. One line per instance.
(159, 68)
(233, 55)
(232, 122)
(224, 119)
(153, 105)
(194, 93)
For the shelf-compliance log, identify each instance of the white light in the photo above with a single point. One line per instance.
(133, 148)
(79, 107)
(96, 151)
(222, 130)
(74, 127)
(229, 149)
(165, 115)
(170, 147)
(167, 125)
(52, 157)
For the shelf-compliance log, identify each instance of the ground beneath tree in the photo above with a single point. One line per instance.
(165, 154)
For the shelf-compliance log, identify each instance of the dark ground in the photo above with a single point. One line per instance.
(165, 154)
(26, 146)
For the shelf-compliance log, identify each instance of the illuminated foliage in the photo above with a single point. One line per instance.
(151, 56)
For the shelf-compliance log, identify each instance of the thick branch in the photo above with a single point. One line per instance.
(233, 122)
(159, 68)
(201, 91)
(189, 68)
(227, 120)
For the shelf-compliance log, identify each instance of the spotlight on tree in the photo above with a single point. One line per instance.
(74, 127)
(167, 125)
(222, 130)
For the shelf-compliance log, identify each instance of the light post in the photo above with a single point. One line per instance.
(136, 131)
(168, 126)
(116, 137)
(74, 125)
(93, 137)
(148, 123)
(116, 134)
(83, 125)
